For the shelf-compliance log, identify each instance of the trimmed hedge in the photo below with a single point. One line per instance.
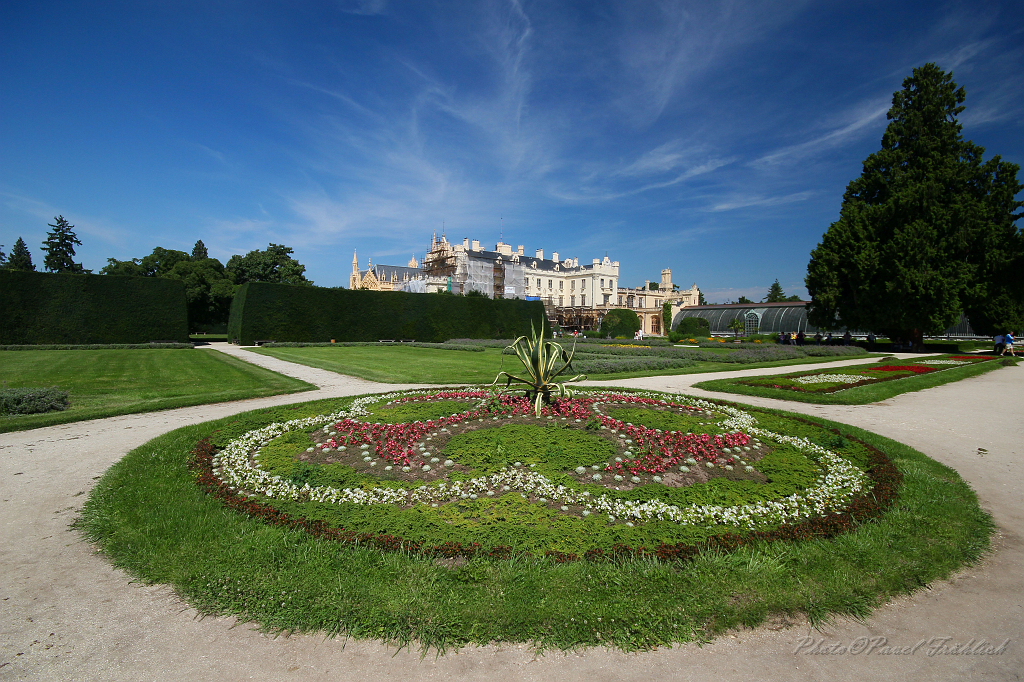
(98, 346)
(283, 312)
(50, 308)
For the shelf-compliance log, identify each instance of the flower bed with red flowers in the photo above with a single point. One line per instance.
(646, 493)
(843, 378)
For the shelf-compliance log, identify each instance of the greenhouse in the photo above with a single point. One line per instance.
(775, 318)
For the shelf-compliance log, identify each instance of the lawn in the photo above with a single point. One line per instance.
(786, 386)
(401, 364)
(104, 383)
(151, 519)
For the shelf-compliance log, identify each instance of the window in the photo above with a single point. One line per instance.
(583, 284)
(572, 285)
(549, 285)
(620, 300)
(538, 282)
(751, 323)
(561, 301)
(572, 301)
(583, 299)
(602, 282)
(561, 284)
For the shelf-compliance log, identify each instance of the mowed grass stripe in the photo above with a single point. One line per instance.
(104, 383)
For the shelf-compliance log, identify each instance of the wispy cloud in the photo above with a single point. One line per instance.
(866, 115)
(362, 6)
(746, 202)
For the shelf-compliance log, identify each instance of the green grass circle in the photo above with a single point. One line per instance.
(150, 518)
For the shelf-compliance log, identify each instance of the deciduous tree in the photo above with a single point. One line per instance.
(274, 264)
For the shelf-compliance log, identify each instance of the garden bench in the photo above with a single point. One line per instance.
(260, 343)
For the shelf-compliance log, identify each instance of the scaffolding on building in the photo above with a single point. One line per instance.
(440, 261)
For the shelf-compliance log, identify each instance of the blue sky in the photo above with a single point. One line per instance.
(712, 138)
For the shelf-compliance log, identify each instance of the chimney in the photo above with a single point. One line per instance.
(554, 256)
(521, 251)
(575, 262)
(540, 254)
(465, 243)
(476, 244)
(597, 261)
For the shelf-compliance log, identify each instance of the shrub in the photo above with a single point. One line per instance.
(693, 326)
(33, 400)
(620, 322)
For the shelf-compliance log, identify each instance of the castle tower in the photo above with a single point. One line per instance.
(666, 280)
(353, 280)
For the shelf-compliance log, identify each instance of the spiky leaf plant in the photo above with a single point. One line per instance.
(543, 361)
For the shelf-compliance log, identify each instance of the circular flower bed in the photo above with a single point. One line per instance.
(594, 473)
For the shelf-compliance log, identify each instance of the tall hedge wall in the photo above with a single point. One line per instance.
(48, 308)
(283, 312)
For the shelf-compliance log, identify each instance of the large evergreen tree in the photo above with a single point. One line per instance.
(60, 247)
(926, 232)
(21, 257)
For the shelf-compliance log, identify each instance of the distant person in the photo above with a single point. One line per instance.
(792, 338)
(847, 338)
(871, 342)
(828, 339)
(998, 344)
(817, 339)
(1008, 344)
(800, 338)
(782, 338)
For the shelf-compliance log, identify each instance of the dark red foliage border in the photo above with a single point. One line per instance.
(883, 473)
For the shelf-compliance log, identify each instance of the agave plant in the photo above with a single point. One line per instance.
(543, 361)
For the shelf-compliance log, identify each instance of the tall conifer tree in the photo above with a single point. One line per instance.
(60, 247)
(21, 257)
(926, 232)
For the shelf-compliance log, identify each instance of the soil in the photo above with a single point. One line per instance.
(67, 614)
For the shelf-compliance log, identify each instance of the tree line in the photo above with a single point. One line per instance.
(209, 284)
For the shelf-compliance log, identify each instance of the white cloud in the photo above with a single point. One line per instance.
(865, 115)
(745, 202)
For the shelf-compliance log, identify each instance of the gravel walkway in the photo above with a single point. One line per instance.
(65, 614)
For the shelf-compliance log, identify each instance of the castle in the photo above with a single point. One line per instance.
(575, 295)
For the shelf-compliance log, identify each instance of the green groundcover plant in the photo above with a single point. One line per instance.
(457, 516)
(33, 400)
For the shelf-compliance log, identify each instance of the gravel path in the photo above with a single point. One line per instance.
(65, 614)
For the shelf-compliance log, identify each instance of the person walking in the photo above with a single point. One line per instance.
(1008, 344)
(817, 339)
(871, 342)
(846, 338)
(997, 344)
